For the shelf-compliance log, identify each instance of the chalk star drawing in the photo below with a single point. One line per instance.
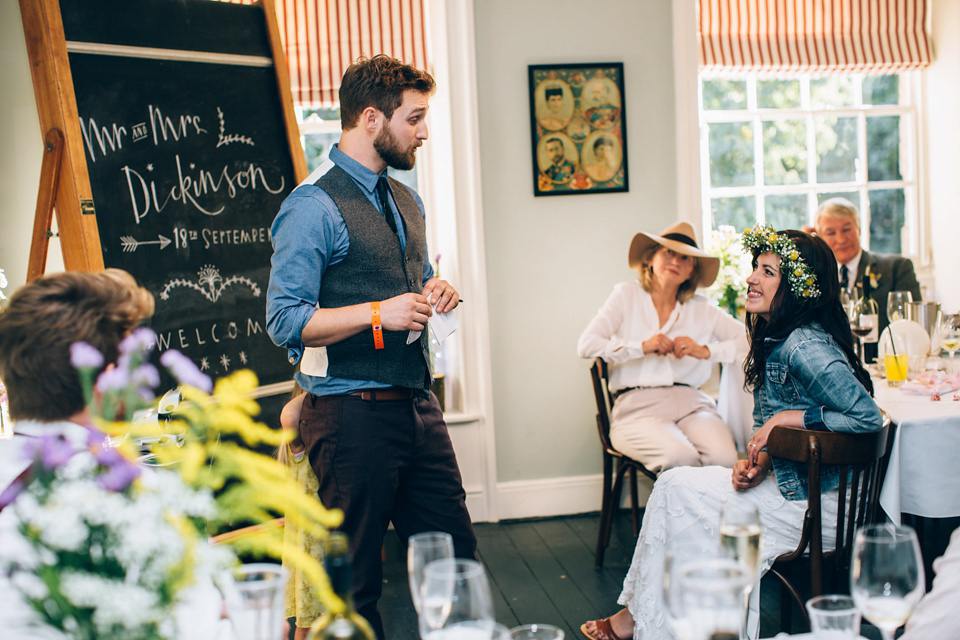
(225, 362)
(225, 140)
(243, 358)
(204, 364)
(210, 284)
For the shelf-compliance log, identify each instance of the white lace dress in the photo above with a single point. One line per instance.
(685, 507)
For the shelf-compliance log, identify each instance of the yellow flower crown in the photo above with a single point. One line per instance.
(764, 238)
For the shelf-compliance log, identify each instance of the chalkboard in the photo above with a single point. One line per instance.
(186, 143)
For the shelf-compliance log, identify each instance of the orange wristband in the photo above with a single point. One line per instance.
(377, 326)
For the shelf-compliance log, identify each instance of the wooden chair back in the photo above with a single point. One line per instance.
(859, 456)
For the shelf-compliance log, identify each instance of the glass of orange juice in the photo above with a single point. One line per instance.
(896, 367)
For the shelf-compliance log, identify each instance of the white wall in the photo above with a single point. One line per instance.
(943, 140)
(551, 261)
(21, 151)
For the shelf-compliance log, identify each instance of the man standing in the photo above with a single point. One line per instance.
(838, 223)
(349, 282)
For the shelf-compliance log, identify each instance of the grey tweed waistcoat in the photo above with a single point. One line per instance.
(375, 269)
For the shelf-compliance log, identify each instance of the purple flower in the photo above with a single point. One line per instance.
(84, 356)
(185, 371)
(119, 476)
(145, 375)
(113, 379)
(10, 494)
(51, 450)
(141, 340)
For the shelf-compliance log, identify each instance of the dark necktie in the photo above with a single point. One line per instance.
(844, 277)
(383, 191)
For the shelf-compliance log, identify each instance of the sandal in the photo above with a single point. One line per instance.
(604, 631)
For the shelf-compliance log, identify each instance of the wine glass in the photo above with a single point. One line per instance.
(455, 601)
(950, 335)
(863, 316)
(740, 538)
(886, 575)
(897, 305)
(422, 549)
(536, 632)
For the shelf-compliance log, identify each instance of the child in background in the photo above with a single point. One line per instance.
(301, 602)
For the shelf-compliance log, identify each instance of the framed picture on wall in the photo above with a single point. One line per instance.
(578, 127)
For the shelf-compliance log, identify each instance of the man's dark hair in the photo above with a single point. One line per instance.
(553, 91)
(554, 139)
(378, 82)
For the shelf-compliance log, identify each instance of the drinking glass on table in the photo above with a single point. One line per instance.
(422, 549)
(886, 575)
(455, 601)
(834, 617)
(253, 595)
(950, 335)
(536, 632)
(679, 555)
(713, 598)
(897, 305)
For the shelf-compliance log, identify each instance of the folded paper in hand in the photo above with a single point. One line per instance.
(441, 325)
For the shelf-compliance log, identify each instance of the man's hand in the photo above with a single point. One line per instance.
(747, 476)
(658, 344)
(442, 293)
(684, 346)
(406, 312)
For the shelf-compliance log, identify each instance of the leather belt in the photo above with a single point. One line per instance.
(620, 392)
(383, 395)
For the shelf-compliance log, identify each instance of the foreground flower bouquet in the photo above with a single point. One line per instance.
(108, 548)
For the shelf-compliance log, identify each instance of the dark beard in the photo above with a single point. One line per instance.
(390, 151)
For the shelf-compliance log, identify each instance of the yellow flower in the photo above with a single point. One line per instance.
(810, 281)
(798, 271)
(794, 255)
(772, 238)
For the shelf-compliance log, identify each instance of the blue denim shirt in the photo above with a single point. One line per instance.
(809, 371)
(308, 236)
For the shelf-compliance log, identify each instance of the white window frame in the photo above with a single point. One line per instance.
(908, 110)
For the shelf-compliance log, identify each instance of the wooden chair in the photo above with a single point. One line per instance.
(859, 456)
(612, 483)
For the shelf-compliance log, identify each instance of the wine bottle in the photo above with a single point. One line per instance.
(348, 624)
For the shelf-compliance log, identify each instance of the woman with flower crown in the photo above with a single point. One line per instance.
(803, 373)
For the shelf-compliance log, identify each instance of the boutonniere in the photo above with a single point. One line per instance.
(874, 278)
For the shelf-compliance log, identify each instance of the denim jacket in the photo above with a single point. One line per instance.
(807, 370)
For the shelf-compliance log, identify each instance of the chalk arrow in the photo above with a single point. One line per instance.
(130, 244)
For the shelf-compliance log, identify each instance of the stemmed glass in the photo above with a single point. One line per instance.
(897, 305)
(862, 315)
(713, 597)
(253, 596)
(455, 601)
(950, 335)
(740, 538)
(422, 549)
(886, 575)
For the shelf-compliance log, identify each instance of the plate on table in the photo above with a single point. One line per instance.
(908, 333)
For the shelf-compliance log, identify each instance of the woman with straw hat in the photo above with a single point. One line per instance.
(660, 340)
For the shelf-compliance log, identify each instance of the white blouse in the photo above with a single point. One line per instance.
(628, 318)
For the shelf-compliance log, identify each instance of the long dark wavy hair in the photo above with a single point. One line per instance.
(787, 311)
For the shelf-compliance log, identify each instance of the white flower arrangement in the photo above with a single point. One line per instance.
(729, 289)
(107, 548)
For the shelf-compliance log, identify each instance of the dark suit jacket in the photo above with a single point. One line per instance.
(891, 272)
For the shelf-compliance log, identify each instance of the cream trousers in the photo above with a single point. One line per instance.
(666, 427)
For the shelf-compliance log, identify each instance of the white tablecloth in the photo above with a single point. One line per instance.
(922, 476)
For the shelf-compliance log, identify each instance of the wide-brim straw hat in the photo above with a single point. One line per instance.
(680, 238)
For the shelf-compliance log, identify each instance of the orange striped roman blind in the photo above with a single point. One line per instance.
(322, 37)
(865, 36)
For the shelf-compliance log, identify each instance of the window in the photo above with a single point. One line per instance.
(773, 148)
